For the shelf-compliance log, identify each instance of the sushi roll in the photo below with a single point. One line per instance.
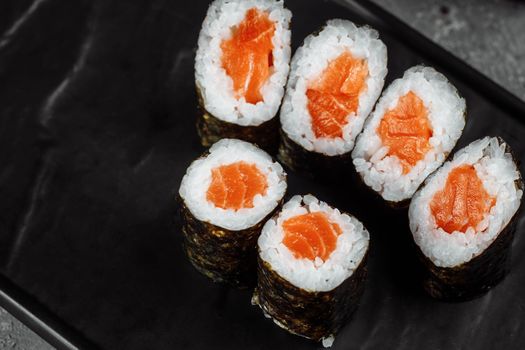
(462, 220)
(336, 77)
(241, 67)
(311, 268)
(225, 197)
(415, 125)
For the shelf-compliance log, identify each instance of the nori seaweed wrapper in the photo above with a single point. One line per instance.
(365, 190)
(223, 255)
(478, 275)
(473, 278)
(314, 315)
(212, 129)
(314, 164)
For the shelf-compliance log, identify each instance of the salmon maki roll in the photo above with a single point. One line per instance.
(241, 67)
(414, 126)
(336, 77)
(225, 197)
(311, 268)
(462, 220)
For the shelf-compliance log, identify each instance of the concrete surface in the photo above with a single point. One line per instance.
(16, 336)
(488, 34)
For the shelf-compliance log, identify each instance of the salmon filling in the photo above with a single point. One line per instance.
(247, 55)
(406, 131)
(335, 94)
(234, 186)
(311, 235)
(463, 202)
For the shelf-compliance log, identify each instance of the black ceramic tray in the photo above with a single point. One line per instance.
(97, 111)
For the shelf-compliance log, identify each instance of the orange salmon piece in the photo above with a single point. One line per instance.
(311, 235)
(335, 94)
(463, 202)
(406, 131)
(247, 55)
(234, 186)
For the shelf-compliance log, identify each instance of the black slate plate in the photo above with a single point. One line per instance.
(97, 109)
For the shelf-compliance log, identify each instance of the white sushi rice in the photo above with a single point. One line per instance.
(317, 275)
(498, 173)
(198, 178)
(328, 341)
(446, 113)
(216, 87)
(310, 60)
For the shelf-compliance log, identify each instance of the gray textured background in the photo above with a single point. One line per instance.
(16, 336)
(488, 34)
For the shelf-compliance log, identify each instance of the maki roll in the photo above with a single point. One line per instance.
(414, 126)
(462, 220)
(225, 197)
(336, 77)
(311, 268)
(241, 67)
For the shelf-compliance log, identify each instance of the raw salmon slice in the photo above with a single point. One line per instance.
(247, 55)
(311, 235)
(463, 202)
(234, 186)
(335, 94)
(406, 130)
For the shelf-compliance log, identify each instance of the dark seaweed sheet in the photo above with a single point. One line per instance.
(212, 129)
(312, 164)
(314, 315)
(97, 115)
(223, 255)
